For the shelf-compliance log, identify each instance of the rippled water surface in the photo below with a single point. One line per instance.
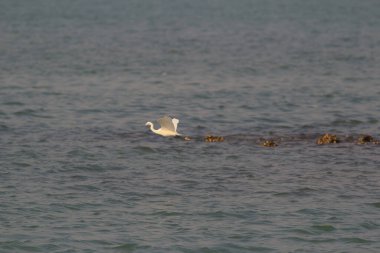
(79, 172)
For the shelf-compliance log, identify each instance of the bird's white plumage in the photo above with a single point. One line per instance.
(167, 123)
(168, 126)
(175, 123)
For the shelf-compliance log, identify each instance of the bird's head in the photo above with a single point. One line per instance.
(148, 124)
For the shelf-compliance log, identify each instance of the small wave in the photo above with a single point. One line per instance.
(351, 122)
(16, 246)
(228, 247)
(305, 191)
(90, 111)
(3, 127)
(370, 225)
(89, 167)
(21, 164)
(376, 204)
(355, 240)
(129, 247)
(51, 93)
(145, 149)
(31, 113)
(323, 228)
(317, 240)
(301, 231)
(74, 206)
(26, 112)
(168, 213)
(13, 103)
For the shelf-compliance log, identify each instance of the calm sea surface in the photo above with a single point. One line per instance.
(79, 171)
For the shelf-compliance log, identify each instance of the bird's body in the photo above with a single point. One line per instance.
(168, 126)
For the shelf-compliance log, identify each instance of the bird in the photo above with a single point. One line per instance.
(168, 126)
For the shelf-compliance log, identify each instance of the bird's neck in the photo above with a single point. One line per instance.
(152, 127)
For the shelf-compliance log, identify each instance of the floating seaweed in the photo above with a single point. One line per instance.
(327, 139)
(275, 141)
(269, 143)
(210, 138)
(363, 139)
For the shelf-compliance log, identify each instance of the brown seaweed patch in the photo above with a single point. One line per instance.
(364, 139)
(211, 138)
(269, 143)
(327, 139)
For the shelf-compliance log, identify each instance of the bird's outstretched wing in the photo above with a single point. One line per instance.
(167, 123)
(175, 123)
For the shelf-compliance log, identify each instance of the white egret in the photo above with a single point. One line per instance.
(168, 126)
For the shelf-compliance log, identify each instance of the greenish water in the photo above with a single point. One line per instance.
(79, 171)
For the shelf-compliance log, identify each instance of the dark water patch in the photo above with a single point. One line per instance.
(108, 133)
(60, 207)
(305, 191)
(82, 153)
(90, 111)
(355, 240)
(49, 247)
(39, 86)
(204, 95)
(314, 240)
(21, 164)
(26, 154)
(282, 194)
(30, 227)
(239, 248)
(231, 214)
(349, 58)
(95, 167)
(130, 247)
(79, 177)
(168, 214)
(62, 196)
(347, 123)
(84, 187)
(18, 246)
(193, 84)
(51, 93)
(99, 242)
(32, 113)
(3, 127)
(370, 225)
(323, 228)
(372, 120)
(301, 231)
(11, 87)
(207, 250)
(189, 184)
(26, 112)
(232, 157)
(310, 211)
(375, 204)
(145, 149)
(136, 136)
(301, 192)
(227, 248)
(13, 103)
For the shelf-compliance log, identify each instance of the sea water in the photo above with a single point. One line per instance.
(79, 171)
